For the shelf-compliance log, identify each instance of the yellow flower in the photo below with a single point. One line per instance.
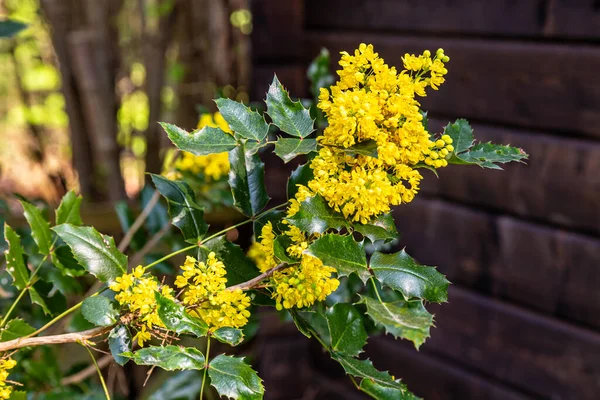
(142, 336)
(5, 365)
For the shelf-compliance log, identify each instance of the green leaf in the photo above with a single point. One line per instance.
(366, 148)
(18, 395)
(291, 117)
(461, 134)
(402, 273)
(382, 228)
(315, 216)
(300, 176)
(274, 217)
(229, 335)
(9, 28)
(39, 300)
(119, 342)
(97, 253)
(242, 120)
(100, 311)
(68, 212)
(348, 334)
(239, 267)
(301, 323)
(247, 181)
(63, 259)
(169, 358)
(280, 245)
(183, 385)
(15, 265)
(14, 329)
(288, 149)
(380, 392)
(341, 252)
(201, 142)
(365, 370)
(40, 228)
(176, 319)
(185, 212)
(319, 73)
(235, 379)
(404, 319)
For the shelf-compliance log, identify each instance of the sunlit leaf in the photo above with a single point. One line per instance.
(235, 379)
(119, 342)
(287, 149)
(291, 117)
(169, 358)
(40, 228)
(348, 334)
(68, 211)
(247, 181)
(242, 120)
(100, 311)
(15, 265)
(341, 252)
(207, 140)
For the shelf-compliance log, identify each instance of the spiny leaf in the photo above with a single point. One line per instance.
(280, 245)
(229, 335)
(315, 216)
(14, 329)
(235, 379)
(68, 211)
(402, 273)
(97, 253)
(207, 140)
(274, 217)
(247, 181)
(119, 342)
(176, 319)
(380, 392)
(341, 252)
(404, 319)
(99, 310)
(245, 122)
(39, 300)
(185, 212)
(366, 148)
(300, 176)
(461, 134)
(183, 385)
(40, 228)
(364, 369)
(381, 228)
(15, 265)
(348, 334)
(287, 149)
(291, 117)
(169, 358)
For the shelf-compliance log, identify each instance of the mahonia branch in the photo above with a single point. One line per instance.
(255, 281)
(74, 337)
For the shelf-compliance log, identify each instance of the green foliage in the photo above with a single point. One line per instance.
(346, 328)
(241, 268)
(170, 358)
(176, 319)
(9, 28)
(365, 370)
(400, 272)
(319, 74)
(381, 228)
(230, 336)
(40, 228)
(120, 342)
(291, 117)
(185, 212)
(15, 265)
(68, 212)
(235, 379)
(247, 181)
(315, 216)
(341, 252)
(367, 148)
(486, 155)
(300, 176)
(288, 149)
(96, 252)
(243, 121)
(201, 142)
(14, 329)
(100, 311)
(386, 392)
(183, 385)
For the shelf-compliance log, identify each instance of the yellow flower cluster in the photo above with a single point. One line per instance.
(212, 166)
(373, 102)
(205, 290)
(5, 365)
(300, 285)
(136, 292)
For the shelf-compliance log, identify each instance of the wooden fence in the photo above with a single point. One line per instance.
(522, 246)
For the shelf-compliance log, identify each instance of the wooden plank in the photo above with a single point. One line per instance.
(432, 378)
(527, 84)
(536, 19)
(538, 354)
(543, 268)
(560, 183)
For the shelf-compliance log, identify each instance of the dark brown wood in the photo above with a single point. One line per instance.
(520, 83)
(536, 19)
(538, 354)
(293, 78)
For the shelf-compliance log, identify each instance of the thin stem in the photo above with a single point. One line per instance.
(255, 281)
(226, 230)
(137, 224)
(171, 255)
(99, 372)
(74, 337)
(206, 358)
(354, 381)
(372, 279)
(14, 304)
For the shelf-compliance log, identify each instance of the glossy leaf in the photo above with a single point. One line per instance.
(366, 148)
(36, 298)
(382, 228)
(40, 228)
(169, 358)
(247, 181)
(404, 319)
(14, 329)
(461, 134)
(207, 140)
(364, 369)
(381, 392)
(183, 385)
(97, 253)
(119, 342)
(239, 267)
(300, 176)
(341, 252)
(348, 334)
(68, 211)
(291, 117)
(280, 245)
(186, 213)
(319, 72)
(63, 259)
(315, 216)
(242, 120)
(100, 311)
(402, 273)
(235, 379)
(229, 335)
(287, 149)
(274, 217)
(176, 319)
(15, 265)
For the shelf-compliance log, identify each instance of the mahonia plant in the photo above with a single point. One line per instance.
(308, 257)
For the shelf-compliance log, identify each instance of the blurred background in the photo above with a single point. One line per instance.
(84, 84)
